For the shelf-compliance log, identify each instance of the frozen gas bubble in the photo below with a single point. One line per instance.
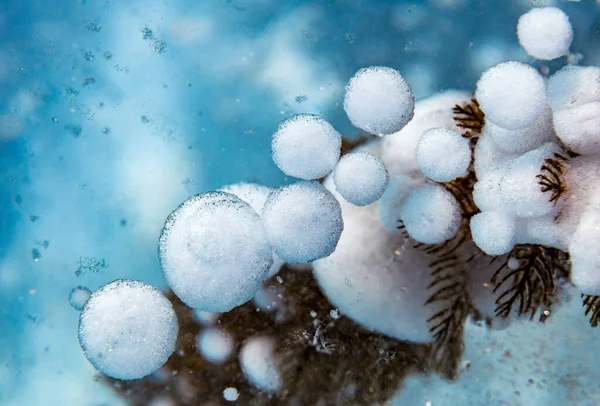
(214, 252)
(306, 146)
(303, 222)
(512, 95)
(431, 214)
(127, 329)
(360, 177)
(256, 196)
(443, 155)
(78, 296)
(206, 318)
(259, 364)
(379, 100)
(574, 94)
(231, 394)
(493, 232)
(214, 345)
(545, 33)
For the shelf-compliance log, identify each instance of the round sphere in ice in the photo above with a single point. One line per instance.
(493, 232)
(256, 196)
(306, 146)
(303, 222)
(127, 329)
(78, 296)
(360, 177)
(231, 394)
(431, 214)
(214, 345)
(259, 364)
(443, 155)
(512, 95)
(214, 252)
(545, 33)
(379, 100)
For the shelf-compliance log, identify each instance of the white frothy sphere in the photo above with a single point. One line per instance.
(545, 33)
(379, 100)
(493, 232)
(214, 252)
(431, 214)
(512, 95)
(303, 222)
(306, 146)
(443, 155)
(360, 177)
(127, 329)
(259, 364)
(214, 345)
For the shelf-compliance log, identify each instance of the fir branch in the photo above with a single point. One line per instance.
(469, 117)
(592, 309)
(550, 179)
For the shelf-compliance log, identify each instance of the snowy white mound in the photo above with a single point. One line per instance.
(545, 33)
(443, 155)
(259, 363)
(256, 196)
(303, 222)
(306, 146)
(214, 252)
(360, 177)
(127, 329)
(379, 100)
(502, 104)
(215, 345)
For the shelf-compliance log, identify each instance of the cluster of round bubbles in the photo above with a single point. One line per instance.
(127, 329)
(360, 177)
(379, 100)
(443, 155)
(306, 146)
(545, 33)
(506, 107)
(303, 222)
(214, 252)
(431, 214)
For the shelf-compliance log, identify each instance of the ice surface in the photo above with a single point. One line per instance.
(127, 329)
(259, 363)
(214, 252)
(231, 394)
(360, 177)
(431, 214)
(256, 196)
(493, 232)
(502, 104)
(379, 100)
(78, 296)
(306, 146)
(303, 222)
(443, 155)
(545, 33)
(215, 345)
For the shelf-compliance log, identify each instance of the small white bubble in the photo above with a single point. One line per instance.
(313, 314)
(231, 394)
(335, 314)
(280, 279)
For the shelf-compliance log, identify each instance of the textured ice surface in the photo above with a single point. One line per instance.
(215, 345)
(303, 222)
(127, 329)
(306, 146)
(493, 232)
(443, 155)
(231, 394)
(78, 296)
(379, 100)
(259, 363)
(214, 252)
(506, 107)
(431, 214)
(545, 33)
(574, 93)
(360, 177)
(256, 196)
